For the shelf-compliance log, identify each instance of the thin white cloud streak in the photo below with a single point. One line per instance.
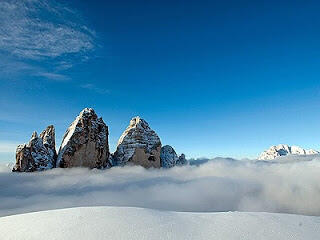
(53, 76)
(221, 185)
(94, 88)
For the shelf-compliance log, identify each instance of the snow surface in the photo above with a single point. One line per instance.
(138, 223)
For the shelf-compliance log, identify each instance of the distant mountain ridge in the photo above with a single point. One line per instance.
(284, 150)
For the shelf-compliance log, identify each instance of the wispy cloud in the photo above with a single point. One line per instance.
(52, 76)
(94, 88)
(35, 31)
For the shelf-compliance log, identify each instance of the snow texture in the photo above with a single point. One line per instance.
(97, 223)
(283, 150)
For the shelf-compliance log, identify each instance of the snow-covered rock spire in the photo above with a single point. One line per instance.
(139, 145)
(85, 143)
(38, 154)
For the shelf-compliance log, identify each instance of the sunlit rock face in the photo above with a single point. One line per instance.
(38, 154)
(283, 150)
(85, 143)
(169, 157)
(138, 145)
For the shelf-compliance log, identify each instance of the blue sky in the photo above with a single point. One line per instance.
(212, 78)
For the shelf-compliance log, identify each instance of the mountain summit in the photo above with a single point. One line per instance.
(138, 144)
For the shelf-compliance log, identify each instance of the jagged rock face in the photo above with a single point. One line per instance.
(49, 141)
(39, 154)
(138, 145)
(283, 150)
(85, 143)
(24, 160)
(169, 157)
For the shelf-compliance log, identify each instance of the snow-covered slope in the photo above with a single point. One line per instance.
(137, 223)
(284, 150)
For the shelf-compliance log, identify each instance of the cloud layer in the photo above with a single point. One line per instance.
(218, 185)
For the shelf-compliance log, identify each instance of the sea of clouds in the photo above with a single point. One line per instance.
(287, 186)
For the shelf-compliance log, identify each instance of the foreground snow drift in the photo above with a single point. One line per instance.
(138, 223)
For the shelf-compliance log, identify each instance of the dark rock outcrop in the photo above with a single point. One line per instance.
(85, 143)
(182, 160)
(138, 145)
(39, 154)
(169, 157)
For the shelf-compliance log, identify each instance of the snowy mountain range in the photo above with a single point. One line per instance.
(284, 150)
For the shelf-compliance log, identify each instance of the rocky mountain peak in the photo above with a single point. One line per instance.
(138, 122)
(37, 154)
(85, 143)
(87, 112)
(34, 135)
(138, 144)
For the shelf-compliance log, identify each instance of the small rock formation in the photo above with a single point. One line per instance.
(182, 160)
(283, 150)
(169, 157)
(85, 143)
(138, 145)
(39, 154)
